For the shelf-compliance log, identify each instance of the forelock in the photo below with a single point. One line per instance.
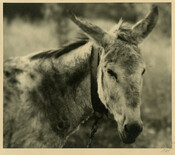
(123, 31)
(124, 26)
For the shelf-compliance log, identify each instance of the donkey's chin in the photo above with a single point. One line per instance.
(126, 138)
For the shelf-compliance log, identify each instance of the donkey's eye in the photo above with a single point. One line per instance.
(111, 73)
(143, 71)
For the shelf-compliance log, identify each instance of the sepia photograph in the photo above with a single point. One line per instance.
(87, 75)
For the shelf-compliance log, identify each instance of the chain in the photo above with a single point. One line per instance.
(94, 129)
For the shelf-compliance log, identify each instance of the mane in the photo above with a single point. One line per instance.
(81, 40)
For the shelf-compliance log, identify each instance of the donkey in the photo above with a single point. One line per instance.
(47, 95)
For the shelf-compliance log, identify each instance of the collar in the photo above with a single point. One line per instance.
(99, 108)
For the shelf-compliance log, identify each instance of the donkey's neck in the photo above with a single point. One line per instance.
(65, 87)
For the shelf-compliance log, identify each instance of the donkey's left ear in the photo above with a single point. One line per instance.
(142, 29)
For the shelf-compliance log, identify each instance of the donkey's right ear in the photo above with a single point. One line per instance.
(100, 36)
(141, 29)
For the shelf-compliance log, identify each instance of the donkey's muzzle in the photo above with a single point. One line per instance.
(133, 129)
(130, 132)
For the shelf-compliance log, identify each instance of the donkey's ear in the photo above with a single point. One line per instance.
(141, 29)
(96, 33)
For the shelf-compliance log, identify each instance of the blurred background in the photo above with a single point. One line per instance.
(32, 27)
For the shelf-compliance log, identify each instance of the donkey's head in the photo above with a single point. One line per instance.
(121, 69)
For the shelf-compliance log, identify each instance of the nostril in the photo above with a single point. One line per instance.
(133, 128)
(126, 128)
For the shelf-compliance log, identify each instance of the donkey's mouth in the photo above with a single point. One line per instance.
(127, 139)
